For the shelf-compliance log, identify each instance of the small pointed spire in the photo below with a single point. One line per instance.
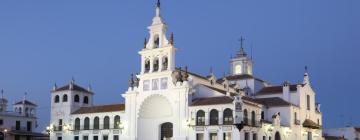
(158, 8)
(131, 80)
(242, 52)
(211, 71)
(2, 93)
(54, 87)
(89, 88)
(71, 86)
(186, 74)
(145, 42)
(172, 39)
(306, 76)
(24, 98)
(158, 3)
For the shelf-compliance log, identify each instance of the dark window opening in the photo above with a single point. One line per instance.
(65, 98)
(76, 99)
(214, 117)
(57, 99)
(200, 118)
(86, 100)
(228, 117)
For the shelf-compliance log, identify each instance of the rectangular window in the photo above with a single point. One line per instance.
(213, 136)
(254, 136)
(155, 84)
(105, 137)
(60, 124)
(76, 137)
(227, 136)
(199, 136)
(95, 138)
(247, 136)
(85, 137)
(1, 122)
(146, 85)
(164, 83)
(17, 126)
(58, 138)
(28, 125)
(116, 137)
(308, 102)
(309, 136)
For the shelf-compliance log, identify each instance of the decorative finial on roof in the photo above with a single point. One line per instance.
(306, 76)
(145, 42)
(131, 80)
(89, 88)
(179, 77)
(54, 87)
(24, 98)
(172, 39)
(186, 74)
(136, 80)
(158, 8)
(71, 86)
(158, 3)
(211, 71)
(2, 93)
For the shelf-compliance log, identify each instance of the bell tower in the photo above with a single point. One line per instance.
(241, 63)
(158, 54)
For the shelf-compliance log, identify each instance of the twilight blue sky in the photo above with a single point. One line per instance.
(43, 42)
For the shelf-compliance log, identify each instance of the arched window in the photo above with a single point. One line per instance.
(86, 123)
(156, 64)
(277, 136)
(86, 100)
(165, 63)
(57, 99)
(77, 124)
(200, 118)
(147, 65)
(308, 102)
(76, 99)
(214, 117)
(262, 115)
(253, 118)
(96, 123)
(117, 122)
(228, 117)
(106, 122)
(156, 41)
(20, 110)
(246, 117)
(65, 98)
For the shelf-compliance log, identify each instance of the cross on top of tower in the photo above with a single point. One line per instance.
(242, 52)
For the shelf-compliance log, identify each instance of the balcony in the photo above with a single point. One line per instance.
(19, 128)
(91, 128)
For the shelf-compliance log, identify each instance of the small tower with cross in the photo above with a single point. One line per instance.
(241, 63)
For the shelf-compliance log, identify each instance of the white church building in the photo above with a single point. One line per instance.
(164, 102)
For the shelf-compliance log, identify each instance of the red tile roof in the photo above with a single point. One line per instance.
(275, 89)
(311, 124)
(212, 101)
(26, 102)
(99, 109)
(75, 88)
(273, 101)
